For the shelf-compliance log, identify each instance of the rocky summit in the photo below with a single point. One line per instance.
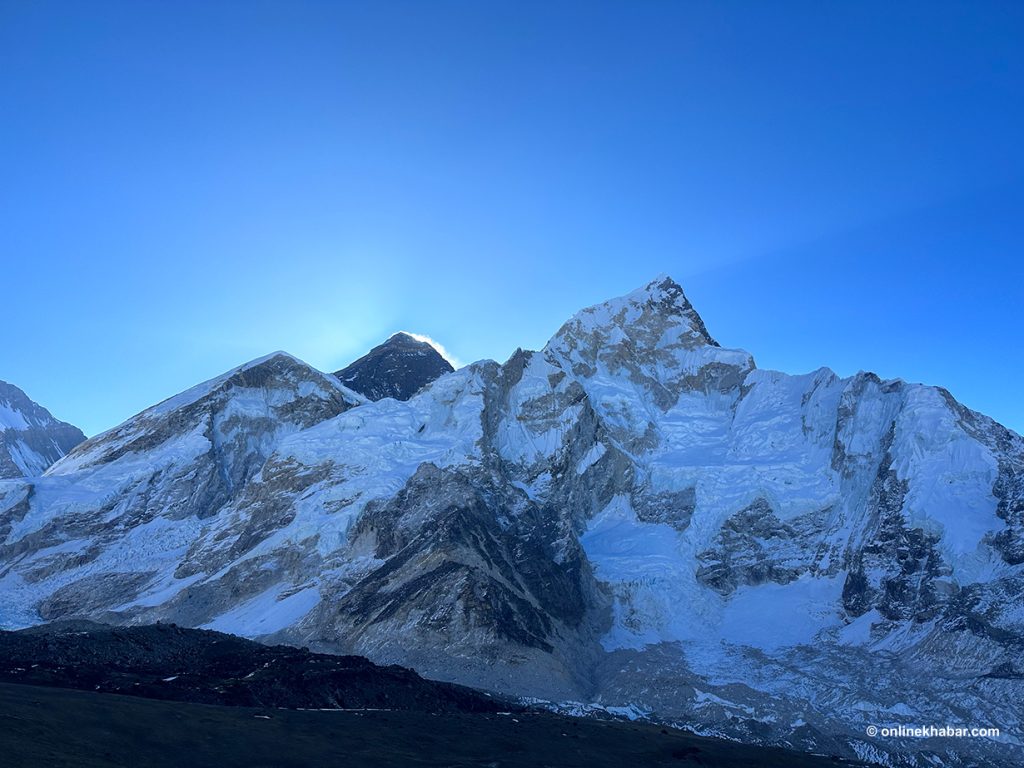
(30, 438)
(398, 368)
(631, 517)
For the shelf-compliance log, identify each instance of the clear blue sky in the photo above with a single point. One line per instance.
(188, 185)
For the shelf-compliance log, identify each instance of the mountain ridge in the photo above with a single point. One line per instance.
(632, 515)
(31, 439)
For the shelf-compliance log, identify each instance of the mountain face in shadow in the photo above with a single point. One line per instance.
(398, 368)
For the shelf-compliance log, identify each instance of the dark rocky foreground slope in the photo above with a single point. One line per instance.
(59, 727)
(164, 661)
(379, 716)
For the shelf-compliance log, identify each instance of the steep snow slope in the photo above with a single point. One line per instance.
(633, 516)
(115, 518)
(30, 438)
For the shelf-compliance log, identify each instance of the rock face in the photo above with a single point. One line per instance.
(632, 516)
(30, 438)
(398, 368)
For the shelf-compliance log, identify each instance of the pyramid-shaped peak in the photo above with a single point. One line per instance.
(404, 339)
(658, 307)
(661, 289)
(666, 295)
(398, 368)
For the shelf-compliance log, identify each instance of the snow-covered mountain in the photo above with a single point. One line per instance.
(30, 438)
(398, 368)
(633, 516)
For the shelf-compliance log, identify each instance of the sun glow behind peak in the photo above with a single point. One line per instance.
(455, 362)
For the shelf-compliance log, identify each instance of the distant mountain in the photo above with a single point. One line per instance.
(160, 477)
(398, 368)
(30, 438)
(632, 516)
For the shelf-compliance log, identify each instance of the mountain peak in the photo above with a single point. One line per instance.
(402, 338)
(254, 373)
(655, 317)
(30, 438)
(257, 400)
(662, 287)
(398, 368)
(666, 295)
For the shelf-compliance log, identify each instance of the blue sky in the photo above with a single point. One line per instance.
(189, 185)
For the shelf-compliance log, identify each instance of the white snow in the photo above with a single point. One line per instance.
(951, 477)
(858, 631)
(11, 418)
(590, 458)
(656, 596)
(268, 612)
(771, 616)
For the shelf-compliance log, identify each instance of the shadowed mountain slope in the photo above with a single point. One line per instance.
(30, 438)
(398, 368)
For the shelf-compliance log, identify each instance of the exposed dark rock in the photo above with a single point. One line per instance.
(89, 729)
(448, 562)
(754, 546)
(897, 571)
(164, 661)
(673, 508)
(398, 368)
